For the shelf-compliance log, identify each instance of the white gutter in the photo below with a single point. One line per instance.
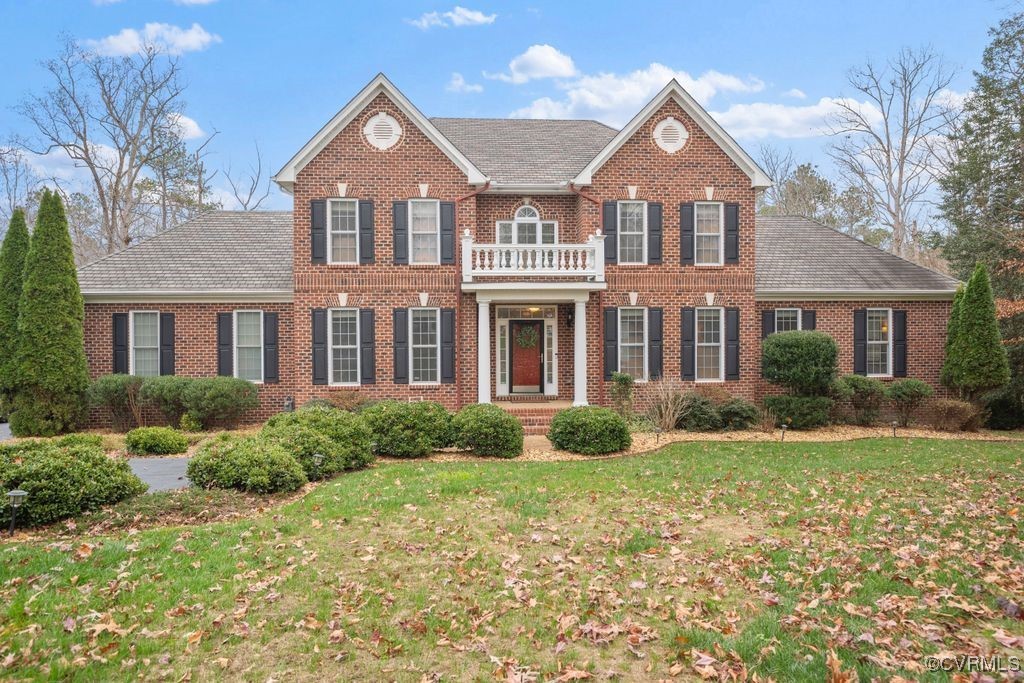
(854, 295)
(115, 296)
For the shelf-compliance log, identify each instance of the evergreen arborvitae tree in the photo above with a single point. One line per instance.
(52, 375)
(949, 377)
(979, 358)
(12, 273)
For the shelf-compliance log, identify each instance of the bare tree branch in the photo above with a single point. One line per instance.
(252, 189)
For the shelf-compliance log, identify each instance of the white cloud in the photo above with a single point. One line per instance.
(459, 84)
(795, 93)
(168, 38)
(539, 61)
(614, 98)
(764, 119)
(187, 127)
(456, 16)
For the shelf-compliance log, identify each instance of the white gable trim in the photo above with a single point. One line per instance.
(285, 178)
(758, 178)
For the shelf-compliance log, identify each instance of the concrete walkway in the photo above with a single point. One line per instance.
(162, 474)
(5, 431)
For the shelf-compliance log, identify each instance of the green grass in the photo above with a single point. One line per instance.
(765, 557)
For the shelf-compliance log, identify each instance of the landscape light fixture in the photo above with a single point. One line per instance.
(318, 459)
(894, 425)
(657, 432)
(16, 498)
(783, 433)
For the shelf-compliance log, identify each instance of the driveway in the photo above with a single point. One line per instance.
(5, 431)
(162, 474)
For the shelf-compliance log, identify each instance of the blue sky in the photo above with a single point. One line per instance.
(274, 72)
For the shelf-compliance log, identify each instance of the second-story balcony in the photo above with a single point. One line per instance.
(584, 261)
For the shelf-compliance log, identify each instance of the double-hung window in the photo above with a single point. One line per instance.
(425, 349)
(249, 345)
(633, 342)
(344, 341)
(879, 351)
(787, 319)
(425, 233)
(344, 230)
(710, 349)
(708, 222)
(145, 349)
(632, 232)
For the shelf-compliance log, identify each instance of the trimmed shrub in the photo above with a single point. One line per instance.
(63, 482)
(343, 399)
(738, 414)
(1005, 410)
(118, 395)
(486, 429)
(342, 438)
(250, 464)
(622, 393)
(949, 415)
(190, 423)
(865, 395)
(220, 400)
(74, 440)
(12, 270)
(805, 363)
(699, 414)
(167, 395)
(800, 412)
(589, 430)
(907, 395)
(155, 441)
(408, 430)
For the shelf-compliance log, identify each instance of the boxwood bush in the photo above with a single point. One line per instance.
(408, 430)
(342, 438)
(220, 401)
(63, 481)
(865, 395)
(738, 414)
(800, 412)
(907, 396)
(486, 429)
(115, 394)
(155, 441)
(805, 363)
(699, 414)
(167, 394)
(589, 430)
(248, 464)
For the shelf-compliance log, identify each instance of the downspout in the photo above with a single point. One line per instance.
(459, 394)
(482, 188)
(572, 188)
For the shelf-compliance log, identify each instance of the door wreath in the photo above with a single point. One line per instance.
(527, 337)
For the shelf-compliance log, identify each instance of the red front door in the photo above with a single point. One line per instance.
(527, 346)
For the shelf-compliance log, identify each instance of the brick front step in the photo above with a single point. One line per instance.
(534, 416)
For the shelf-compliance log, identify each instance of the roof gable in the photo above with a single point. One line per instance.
(285, 178)
(674, 91)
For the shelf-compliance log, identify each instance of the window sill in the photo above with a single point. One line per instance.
(882, 376)
(343, 385)
(710, 266)
(709, 381)
(346, 265)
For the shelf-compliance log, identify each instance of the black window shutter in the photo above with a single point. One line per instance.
(271, 349)
(809, 319)
(366, 242)
(120, 327)
(166, 343)
(686, 234)
(447, 346)
(447, 232)
(400, 231)
(319, 321)
(860, 342)
(732, 344)
(687, 336)
(655, 348)
(318, 231)
(899, 343)
(732, 233)
(610, 228)
(611, 341)
(767, 323)
(400, 343)
(225, 344)
(367, 347)
(654, 233)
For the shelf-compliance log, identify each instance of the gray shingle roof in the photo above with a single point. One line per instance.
(798, 254)
(218, 250)
(527, 151)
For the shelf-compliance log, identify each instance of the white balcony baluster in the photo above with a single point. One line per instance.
(581, 260)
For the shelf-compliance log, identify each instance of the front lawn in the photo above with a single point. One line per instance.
(705, 558)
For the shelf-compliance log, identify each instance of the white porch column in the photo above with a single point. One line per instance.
(483, 350)
(579, 354)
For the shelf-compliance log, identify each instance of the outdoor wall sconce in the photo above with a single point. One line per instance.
(571, 318)
(16, 498)
(289, 404)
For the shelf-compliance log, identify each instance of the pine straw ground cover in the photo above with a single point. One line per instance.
(785, 561)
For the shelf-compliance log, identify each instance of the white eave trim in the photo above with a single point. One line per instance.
(285, 178)
(758, 178)
(528, 188)
(114, 296)
(855, 295)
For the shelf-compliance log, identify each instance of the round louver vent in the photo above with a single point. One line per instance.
(670, 135)
(382, 131)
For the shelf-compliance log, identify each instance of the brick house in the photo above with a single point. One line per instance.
(480, 260)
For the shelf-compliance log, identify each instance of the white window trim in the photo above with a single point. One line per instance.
(515, 233)
(888, 342)
(437, 233)
(799, 318)
(131, 342)
(721, 233)
(618, 233)
(330, 232)
(721, 344)
(234, 344)
(645, 344)
(437, 345)
(330, 349)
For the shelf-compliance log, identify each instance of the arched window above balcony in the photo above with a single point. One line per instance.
(526, 227)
